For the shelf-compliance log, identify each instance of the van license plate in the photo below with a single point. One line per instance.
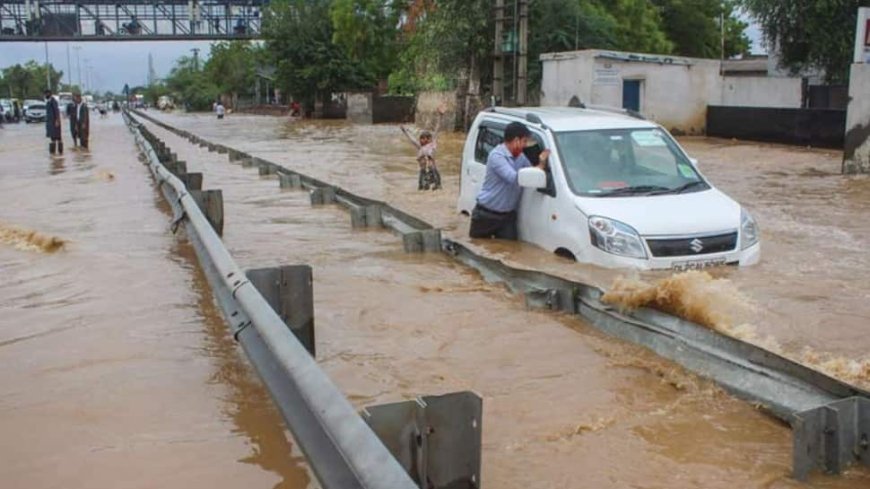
(681, 266)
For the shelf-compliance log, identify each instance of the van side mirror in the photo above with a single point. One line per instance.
(694, 162)
(532, 178)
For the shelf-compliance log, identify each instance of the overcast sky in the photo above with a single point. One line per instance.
(112, 64)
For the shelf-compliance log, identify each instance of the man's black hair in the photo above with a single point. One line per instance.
(515, 130)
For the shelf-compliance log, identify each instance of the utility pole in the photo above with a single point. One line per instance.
(517, 26)
(68, 67)
(498, 62)
(522, 66)
(195, 59)
(47, 69)
(78, 64)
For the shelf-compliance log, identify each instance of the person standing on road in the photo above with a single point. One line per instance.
(495, 215)
(83, 120)
(426, 145)
(220, 110)
(52, 124)
(71, 117)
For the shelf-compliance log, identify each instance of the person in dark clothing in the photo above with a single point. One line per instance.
(52, 124)
(83, 120)
(71, 117)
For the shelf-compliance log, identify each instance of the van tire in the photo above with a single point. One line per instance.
(565, 253)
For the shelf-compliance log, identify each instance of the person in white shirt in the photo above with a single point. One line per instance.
(82, 120)
(220, 110)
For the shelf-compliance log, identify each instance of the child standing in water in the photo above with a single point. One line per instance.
(426, 145)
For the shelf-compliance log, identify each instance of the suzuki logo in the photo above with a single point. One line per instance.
(696, 245)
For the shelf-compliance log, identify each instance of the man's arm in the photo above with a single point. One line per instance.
(410, 138)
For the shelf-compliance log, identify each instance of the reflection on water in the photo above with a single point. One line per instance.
(114, 369)
(564, 405)
(247, 403)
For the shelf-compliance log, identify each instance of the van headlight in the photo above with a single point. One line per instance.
(748, 230)
(615, 237)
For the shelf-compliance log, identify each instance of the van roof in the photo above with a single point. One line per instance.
(574, 118)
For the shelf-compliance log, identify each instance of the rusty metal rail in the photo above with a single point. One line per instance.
(830, 419)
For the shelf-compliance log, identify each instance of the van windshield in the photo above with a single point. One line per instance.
(625, 162)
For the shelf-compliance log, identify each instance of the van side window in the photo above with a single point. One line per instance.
(488, 138)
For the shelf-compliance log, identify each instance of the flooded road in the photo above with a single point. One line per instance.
(806, 299)
(116, 370)
(563, 405)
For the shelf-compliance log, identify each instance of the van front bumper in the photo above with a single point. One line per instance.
(749, 256)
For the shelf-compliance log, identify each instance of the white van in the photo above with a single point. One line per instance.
(618, 192)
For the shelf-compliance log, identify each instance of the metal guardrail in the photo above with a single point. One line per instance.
(343, 448)
(830, 419)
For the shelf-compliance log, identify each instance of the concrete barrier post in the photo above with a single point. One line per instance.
(211, 202)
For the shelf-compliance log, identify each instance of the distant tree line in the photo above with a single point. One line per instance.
(28, 81)
(320, 47)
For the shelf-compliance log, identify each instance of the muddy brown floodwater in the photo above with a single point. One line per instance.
(564, 406)
(115, 368)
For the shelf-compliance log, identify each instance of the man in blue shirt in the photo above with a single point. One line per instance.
(495, 215)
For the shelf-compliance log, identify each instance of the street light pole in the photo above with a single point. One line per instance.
(78, 64)
(47, 69)
(68, 67)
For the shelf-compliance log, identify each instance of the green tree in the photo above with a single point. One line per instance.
(191, 87)
(639, 26)
(310, 65)
(567, 25)
(450, 47)
(28, 80)
(694, 27)
(810, 34)
(368, 32)
(231, 67)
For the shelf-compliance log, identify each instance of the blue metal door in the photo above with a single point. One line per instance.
(631, 95)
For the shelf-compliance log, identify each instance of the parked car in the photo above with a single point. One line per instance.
(35, 112)
(8, 110)
(619, 192)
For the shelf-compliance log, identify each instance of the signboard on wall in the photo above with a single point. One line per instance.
(606, 76)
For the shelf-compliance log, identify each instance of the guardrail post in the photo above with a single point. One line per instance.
(437, 439)
(265, 168)
(421, 241)
(322, 195)
(177, 168)
(286, 180)
(289, 290)
(831, 437)
(211, 202)
(193, 181)
(365, 216)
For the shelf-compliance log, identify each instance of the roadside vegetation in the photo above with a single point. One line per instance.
(315, 48)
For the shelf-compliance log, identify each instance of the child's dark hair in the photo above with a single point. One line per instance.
(426, 134)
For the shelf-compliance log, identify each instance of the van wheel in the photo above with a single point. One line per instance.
(565, 253)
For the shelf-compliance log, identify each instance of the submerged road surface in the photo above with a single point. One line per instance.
(116, 370)
(563, 405)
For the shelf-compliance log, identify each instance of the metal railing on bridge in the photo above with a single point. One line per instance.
(132, 20)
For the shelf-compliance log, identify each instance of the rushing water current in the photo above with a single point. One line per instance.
(116, 369)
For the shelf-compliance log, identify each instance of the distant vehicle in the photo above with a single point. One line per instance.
(619, 192)
(64, 99)
(165, 103)
(35, 112)
(8, 110)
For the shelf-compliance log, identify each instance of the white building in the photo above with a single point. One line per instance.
(674, 91)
